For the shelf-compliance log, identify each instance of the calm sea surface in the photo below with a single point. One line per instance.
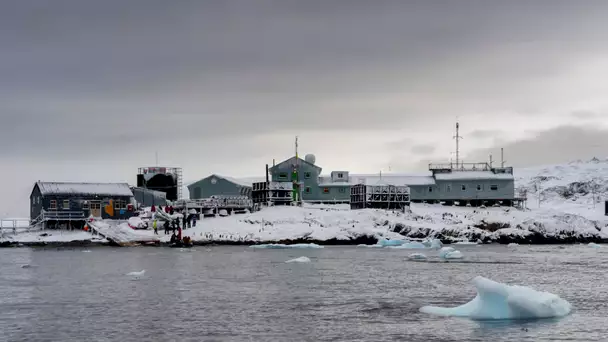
(241, 294)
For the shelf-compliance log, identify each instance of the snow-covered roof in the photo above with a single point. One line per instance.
(61, 188)
(392, 179)
(473, 175)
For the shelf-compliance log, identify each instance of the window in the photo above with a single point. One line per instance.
(464, 187)
(430, 189)
(494, 187)
(325, 190)
(66, 204)
(479, 187)
(53, 205)
(448, 188)
(283, 176)
(85, 205)
(307, 190)
(120, 204)
(342, 190)
(340, 175)
(306, 175)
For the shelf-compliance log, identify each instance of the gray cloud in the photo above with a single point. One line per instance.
(562, 144)
(215, 86)
(422, 149)
(485, 134)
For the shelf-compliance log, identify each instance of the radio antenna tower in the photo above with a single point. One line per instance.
(457, 137)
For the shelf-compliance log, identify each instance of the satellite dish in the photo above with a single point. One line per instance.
(310, 158)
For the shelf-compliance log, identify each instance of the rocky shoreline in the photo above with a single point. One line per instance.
(531, 239)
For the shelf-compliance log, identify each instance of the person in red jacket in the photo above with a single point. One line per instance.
(153, 208)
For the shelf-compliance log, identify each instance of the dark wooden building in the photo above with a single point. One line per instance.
(56, 205)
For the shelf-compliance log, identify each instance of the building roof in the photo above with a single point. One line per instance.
(67, 188)
(473, 175)
(299, 160)
(244, 182)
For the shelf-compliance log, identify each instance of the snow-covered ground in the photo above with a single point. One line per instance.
(570, 209)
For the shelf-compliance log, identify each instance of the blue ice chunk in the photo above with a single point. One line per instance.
(501, 301)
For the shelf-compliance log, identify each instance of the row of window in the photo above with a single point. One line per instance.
(307, 175)
(118, 204)
(463, 187)
(325, 190)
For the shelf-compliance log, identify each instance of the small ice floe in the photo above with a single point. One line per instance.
(137, 274)
(497, 301)
(389, 243)
(86, 251)
(513, 245)
(449, 253)
(370, 246)
(410, 245)
(417, 257)
(283, 246)
(301, 259)
(594, 245)
(465, 243)
(433, 243)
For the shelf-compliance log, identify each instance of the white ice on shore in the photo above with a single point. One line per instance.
(495, 301)
(301, 259)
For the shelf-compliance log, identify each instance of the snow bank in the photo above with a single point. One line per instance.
(500, 301)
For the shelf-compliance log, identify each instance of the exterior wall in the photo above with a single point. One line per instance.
(148, 198)
(205, 188)
(506, 190)
(335, 193)
(76, 205)
(309, 176)
(35, 203)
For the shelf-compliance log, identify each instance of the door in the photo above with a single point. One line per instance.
(96, 208)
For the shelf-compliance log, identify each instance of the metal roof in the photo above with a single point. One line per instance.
(392, 179)
(65, 188)
(473, 175)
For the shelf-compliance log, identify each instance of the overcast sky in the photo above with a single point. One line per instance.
(91, 90)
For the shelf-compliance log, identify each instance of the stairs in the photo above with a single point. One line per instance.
(119, 235)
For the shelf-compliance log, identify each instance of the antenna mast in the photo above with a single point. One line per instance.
(502, 157)
(457, 137)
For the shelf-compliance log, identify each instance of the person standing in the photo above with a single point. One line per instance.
(155, 227)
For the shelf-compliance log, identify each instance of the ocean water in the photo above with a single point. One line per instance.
(242, 294)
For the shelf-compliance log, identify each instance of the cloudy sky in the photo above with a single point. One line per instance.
(91, 90)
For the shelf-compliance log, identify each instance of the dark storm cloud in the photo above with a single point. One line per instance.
(558, 145)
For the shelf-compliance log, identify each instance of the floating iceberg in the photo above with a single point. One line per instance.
(386, 243)
(449, 253)
(410, 245)
(454, 255)
(417, 256)
(433, 243)
(370, 246)
(466, 243)
(594, 245)
(301, 259)
(283, 246)
(513, 245)
(501, 301)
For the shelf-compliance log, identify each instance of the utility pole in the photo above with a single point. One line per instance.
(491, 161)
(502, 157)
(457, 137)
